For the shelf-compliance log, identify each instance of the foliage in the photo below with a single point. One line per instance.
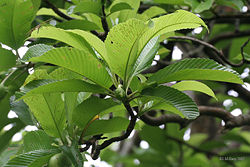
(94, 81)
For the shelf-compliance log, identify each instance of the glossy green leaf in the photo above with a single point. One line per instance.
(194, 86)
(49, 111)
(26, 159)
(36, 51)
(78, 61)
(116, 124)
(176, 98)
(7, 59)
(51, 86)
(15, 20)
(89, 108)
(196, 69)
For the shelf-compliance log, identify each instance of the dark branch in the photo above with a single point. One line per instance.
(230, 120)
(128, 131)
(57, 11)
(217, 51)
(229, 35)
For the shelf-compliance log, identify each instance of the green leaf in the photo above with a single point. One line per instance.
(51, 86)
(49, 111)
(78, 61)
(194, 86)
(78, 24)
(231, 3)
(6, 136)
(36, 51)
(7, 59)
(88, 6)
(50, 12)
(26, 159)
(22, 111)
(116, 124)
(37, 140)
(154, 11)
(176, 98)
(155, 137)
(73, 154)
(89, 108)
(65, 36)
(15, 20)
(198, 6)
(94, 41)
(196, 69)
(121, 44)
(171, 2)
(119, 6)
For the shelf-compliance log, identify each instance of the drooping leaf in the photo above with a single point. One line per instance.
(6, 136)
(94, 41)
(194, 86)
(198, 6)
(78, 61)
(15, 20)
(231, 3)
(89, 108)
(176, 98)
(51, 86)
(22, 111)
(50, 12)
(36, 51)
(49, 111)
(37, 140)
(171, 2)
(88, 6)
(65, 36)
(7, 59)
(26, 159)
(115, 7)
(115, 124)
(154, 11)
(196, 69)
(78, 24)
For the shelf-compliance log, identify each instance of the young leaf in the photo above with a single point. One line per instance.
(196, 69)
(194, 86)
(49, 111)
(79, 61)
(154, 11)
(119, 6)
(15, 20)
(176, 98)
